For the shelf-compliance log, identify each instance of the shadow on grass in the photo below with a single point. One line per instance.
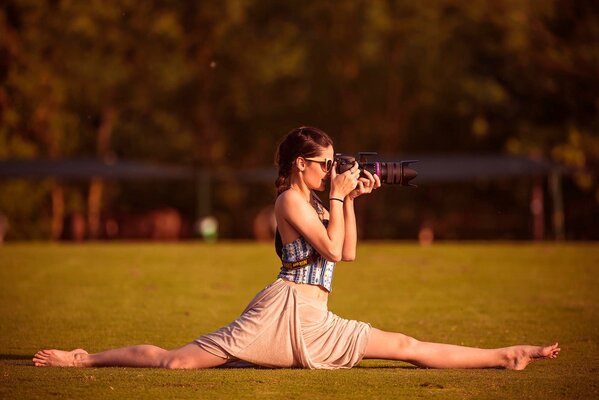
(387, 367)
(4, 357)
(231, 365)
(302, 369)
(244, 364)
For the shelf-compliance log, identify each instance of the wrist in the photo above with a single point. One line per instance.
(336, 195)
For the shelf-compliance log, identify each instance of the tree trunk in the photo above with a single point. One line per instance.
(57, 210)
(96, 187)
(537, 208)
(94, 207)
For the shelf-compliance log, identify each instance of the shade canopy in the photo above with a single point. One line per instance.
(430, 168)
(83, 169)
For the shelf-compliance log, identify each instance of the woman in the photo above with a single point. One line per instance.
(287, 324)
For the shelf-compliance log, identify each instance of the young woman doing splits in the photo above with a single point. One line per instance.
(287, 324)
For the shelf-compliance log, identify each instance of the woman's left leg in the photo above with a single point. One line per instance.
(396, 346)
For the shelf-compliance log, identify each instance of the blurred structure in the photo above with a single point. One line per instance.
(163, 224)
(74, 227)
(265, 224)
(426, 234)
(166, 223)
(3, 227)
(156, 224)
(464, 168)
(207, 228)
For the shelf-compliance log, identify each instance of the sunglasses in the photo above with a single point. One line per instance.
(327, 162)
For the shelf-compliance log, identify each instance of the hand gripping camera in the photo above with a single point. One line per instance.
(396, 172)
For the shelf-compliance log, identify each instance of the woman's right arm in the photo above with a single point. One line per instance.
(300, 215)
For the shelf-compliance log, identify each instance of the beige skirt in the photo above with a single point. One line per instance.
(282, 328)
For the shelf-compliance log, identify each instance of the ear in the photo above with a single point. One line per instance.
(300, 163)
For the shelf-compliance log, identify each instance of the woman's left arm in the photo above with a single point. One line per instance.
(351, 233)
(365, 185)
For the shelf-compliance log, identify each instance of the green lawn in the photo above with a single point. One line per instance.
(482, 294)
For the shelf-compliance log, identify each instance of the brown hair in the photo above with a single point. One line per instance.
(304, 141)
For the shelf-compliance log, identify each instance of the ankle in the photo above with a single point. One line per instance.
(507, 357)
(80, 359)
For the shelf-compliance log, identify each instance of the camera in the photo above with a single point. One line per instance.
(392, 172)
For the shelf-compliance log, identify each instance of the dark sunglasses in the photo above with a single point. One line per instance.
(327, 162)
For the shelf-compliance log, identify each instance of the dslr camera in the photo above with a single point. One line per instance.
(392, 172)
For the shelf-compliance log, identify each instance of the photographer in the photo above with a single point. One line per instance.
(288, 324)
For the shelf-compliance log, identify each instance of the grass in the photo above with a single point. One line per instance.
(100, 296)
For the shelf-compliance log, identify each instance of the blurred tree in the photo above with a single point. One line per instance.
(216, 85)
(553, 81)
(83, 73)
(35, 117)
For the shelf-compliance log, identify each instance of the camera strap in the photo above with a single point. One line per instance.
(301, 263)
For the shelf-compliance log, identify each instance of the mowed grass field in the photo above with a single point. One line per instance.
(99, 296)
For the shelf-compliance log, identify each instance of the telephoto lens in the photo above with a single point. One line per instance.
(391, 172)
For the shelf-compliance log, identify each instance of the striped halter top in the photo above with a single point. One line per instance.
(318, 271)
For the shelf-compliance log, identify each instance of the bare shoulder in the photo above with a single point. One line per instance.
(292, 213)
(288, 200)
(291, 208)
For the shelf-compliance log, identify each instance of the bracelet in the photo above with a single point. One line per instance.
(334, 198)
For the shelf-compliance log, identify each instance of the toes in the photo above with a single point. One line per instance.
(554, 350)
(40, 359)
(550, 351)
(38, 362)
(555, 353)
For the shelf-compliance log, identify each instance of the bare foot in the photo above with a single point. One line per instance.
(57, 358)
(520, 356)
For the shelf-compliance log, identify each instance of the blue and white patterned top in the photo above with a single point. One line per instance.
(319, 272)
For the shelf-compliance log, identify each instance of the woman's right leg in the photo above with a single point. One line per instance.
(143, 356)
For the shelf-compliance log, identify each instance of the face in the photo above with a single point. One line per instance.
(316, 172)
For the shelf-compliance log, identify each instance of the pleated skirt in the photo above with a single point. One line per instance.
(281, 328)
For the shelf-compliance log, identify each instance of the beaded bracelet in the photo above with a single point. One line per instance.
(334, 198)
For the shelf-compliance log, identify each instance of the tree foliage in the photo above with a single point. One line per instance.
(216, 84)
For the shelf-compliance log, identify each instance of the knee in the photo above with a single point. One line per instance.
(176, 361)
(405, 344)
(148, 351)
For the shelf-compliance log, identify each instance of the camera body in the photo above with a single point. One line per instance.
(391, 172)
